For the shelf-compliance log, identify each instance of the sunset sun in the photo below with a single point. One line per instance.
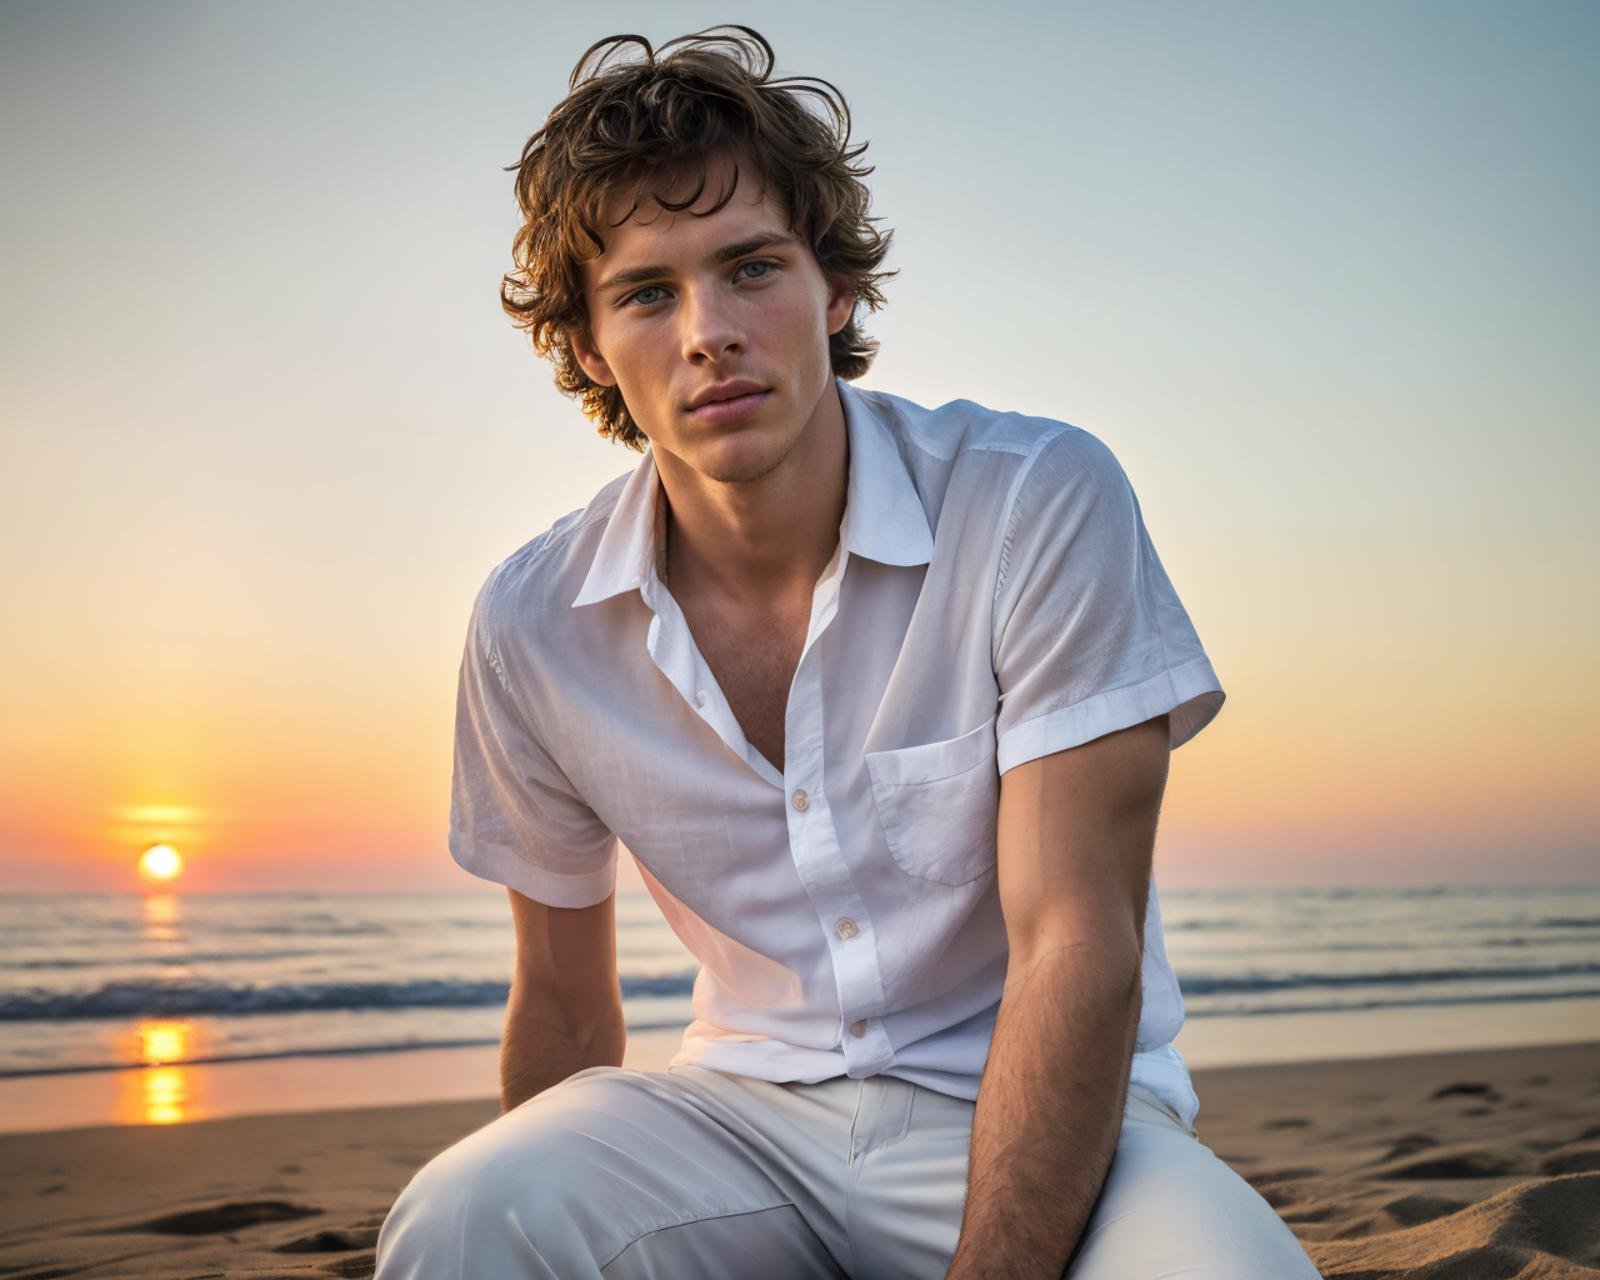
(160, 863)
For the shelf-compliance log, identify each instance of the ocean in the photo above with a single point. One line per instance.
(97, 982)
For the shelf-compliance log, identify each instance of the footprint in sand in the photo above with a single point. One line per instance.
(1460, 1163)
(219, 1218)
(1287, 1122)
(1545, 1222)
(1466, 1089)
(1413, 1211)
(1407, 1145)
(333, 1241)
(1313, 1213)
(1572, 1159)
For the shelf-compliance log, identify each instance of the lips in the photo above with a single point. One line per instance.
(724, 391)
(711, 412)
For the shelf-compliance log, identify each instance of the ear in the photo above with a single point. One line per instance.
(589, 358)
(841, 303)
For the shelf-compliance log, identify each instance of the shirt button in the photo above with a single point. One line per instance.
(859, 1028)
(845, 927)
(801, 801)
(699, 697)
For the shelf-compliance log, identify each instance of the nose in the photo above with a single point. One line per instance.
(710, 326)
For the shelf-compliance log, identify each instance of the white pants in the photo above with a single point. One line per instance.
(692, 1172)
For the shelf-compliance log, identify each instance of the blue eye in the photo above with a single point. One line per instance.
(764, 266)
(639, 295)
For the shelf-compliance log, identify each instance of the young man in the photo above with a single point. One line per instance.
(880, 698)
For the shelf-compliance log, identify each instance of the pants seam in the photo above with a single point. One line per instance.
(689, 1222)
(852, 1172)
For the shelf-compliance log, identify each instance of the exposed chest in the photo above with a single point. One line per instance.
(753, 657)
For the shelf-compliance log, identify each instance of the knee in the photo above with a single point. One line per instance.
(425, 1228)
(1174, 1208)
(1245, 1238)
(485, 1208)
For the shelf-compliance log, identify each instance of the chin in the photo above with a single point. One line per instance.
(742, 457)
(740, 470)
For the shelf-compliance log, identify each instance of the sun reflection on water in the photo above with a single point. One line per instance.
(162, 1093)
(162, 1089)
(165, 1095)
(163, 918)
(163, 1042)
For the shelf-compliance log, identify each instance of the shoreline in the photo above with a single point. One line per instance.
(187, 1093)
(653, 1052)
(1486, 1161)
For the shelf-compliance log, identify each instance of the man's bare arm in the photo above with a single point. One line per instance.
(1076, 833)
(565, 1008)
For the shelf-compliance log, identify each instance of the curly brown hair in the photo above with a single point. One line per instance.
(648, 124)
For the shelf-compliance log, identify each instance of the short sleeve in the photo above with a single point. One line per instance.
(514, 816)
(1089, 635)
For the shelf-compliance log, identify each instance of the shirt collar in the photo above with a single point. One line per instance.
(884, 519)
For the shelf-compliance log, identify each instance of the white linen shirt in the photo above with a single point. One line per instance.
(994, 597)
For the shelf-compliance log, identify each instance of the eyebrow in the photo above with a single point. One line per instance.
(642, 275)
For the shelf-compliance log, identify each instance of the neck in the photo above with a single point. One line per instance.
(761, 541)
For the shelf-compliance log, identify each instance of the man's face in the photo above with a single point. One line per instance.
(730, 304)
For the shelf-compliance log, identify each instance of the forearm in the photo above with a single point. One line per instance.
(1049, 1111)
(539, 1047)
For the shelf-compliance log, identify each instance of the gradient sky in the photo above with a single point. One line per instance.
(1325, 277)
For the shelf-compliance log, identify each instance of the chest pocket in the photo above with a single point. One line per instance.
(937, 803)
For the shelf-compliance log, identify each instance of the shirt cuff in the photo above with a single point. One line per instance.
(1189, 693)
(553, 888)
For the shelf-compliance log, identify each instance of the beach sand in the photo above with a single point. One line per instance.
(1480, 1165)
